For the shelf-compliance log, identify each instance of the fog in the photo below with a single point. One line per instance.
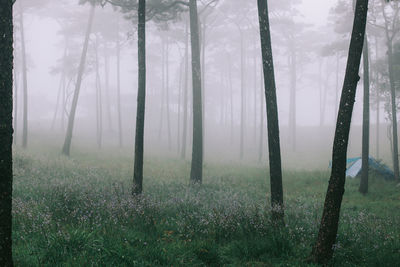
(54, 36)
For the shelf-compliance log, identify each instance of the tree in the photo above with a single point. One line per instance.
(365, 131)
(196, 172)
(272, 114)
(323, 248)
(24, 80)
(139, 139)
(68, 137)
(6, 131)
(390, 33)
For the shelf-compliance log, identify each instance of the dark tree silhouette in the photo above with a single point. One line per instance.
(272, 114)
(196, 172)
(323, 248)
(139, 139)
(6, 131)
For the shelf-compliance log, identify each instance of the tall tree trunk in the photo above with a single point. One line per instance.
(60, 90)
(68, 137)
(99, 99)
(243, 100)
(107, 87)
(365, 134)
(293, 81)
(394, 112)
(178, 141)
(6, 131)
(167, 93)
(323, 248)
(378, 98)
(196, 172)
(185, 94)
(272, 115)
(203, 28)
(24, 80)
(120, 138)
(231, 97)
(141, 100)
(162, 88)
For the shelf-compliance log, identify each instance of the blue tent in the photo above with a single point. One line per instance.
(354, 168)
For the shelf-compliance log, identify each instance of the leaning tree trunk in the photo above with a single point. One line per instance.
(261, 140)
(196, 172)
(365, 134)
(323, 248)
(6, 131)
(24, 81)
(68, 137)
(141, 100)
(272, 115)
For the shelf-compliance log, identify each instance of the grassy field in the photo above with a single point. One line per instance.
(79, 212)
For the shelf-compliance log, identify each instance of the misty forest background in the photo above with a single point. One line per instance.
(78, 210)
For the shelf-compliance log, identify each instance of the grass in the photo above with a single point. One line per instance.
(79, 212)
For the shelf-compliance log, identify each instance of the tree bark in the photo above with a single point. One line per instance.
(24, 80)
(196, 172)
(68, 137)
(363, 189)
(261, 141)
(272, 115)
(141, 100)
(6, 131)
(323, 248)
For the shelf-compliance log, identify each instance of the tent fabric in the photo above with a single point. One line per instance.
(354, 168)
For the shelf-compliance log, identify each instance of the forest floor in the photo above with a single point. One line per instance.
(78, 211)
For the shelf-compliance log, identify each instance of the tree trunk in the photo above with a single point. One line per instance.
(107, 87)
(337, 87)
(178, 140)
(196, 172)
(120, 138)
(378, 98)
(6, 131)
(167, 93)
(68, 137)
(242, 98)
(394, 113)
(99, 100)
(24, 80)
(272, 115)
(185, 94)
(323, 248)
(365, 134)
(293, 80)
(141, 100)
(60, 91)
(231, 97)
